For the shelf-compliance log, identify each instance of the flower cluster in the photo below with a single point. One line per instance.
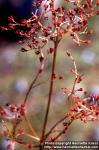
(86, 109)
(73, 21)
(49, 25)
(12, 112)
(15, 114)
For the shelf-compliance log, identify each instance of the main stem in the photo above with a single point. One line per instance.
(50, 90)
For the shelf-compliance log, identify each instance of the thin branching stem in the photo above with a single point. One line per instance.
(63, 131)
(34, 133)
(40, 83)
(55, 125)
(30, 87)
(50, 90)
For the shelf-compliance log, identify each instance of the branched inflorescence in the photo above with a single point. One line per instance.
(51, 24)
(86, 109)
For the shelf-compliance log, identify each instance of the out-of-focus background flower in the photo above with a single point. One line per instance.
(17, 70)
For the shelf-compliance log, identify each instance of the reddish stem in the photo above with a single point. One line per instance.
(63, 131)
(30, 88)
(50, 91)
(55, 125)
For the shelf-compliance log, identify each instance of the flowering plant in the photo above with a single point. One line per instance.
(49, 25)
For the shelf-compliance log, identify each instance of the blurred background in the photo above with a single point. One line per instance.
(17, 70)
